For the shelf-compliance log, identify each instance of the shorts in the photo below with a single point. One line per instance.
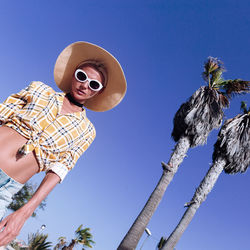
(8, 187)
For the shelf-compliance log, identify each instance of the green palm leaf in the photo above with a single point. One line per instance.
(84, 237)
(39, 242)
(213, 70)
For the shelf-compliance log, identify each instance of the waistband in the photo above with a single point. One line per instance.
(12, 185)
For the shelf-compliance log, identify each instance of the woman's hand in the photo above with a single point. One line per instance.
(11, 226)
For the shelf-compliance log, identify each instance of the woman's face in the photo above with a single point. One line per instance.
(80, 91)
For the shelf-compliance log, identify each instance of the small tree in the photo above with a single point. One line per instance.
(83, 237)
(38, 241)
(23, 196)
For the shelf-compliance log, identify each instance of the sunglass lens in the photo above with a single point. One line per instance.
(94, 84)
(81, 76)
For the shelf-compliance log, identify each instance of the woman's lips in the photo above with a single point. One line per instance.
(81, 92)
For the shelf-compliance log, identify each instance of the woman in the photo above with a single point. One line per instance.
(44, 130)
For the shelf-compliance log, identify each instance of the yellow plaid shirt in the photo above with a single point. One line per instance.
(58, 140)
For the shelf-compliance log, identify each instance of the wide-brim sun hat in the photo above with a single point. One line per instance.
(77, 53)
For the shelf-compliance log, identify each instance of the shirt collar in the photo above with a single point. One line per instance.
(79, 115)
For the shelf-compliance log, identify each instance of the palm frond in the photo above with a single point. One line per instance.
(78, 229)
(243, 107)
(83, 236)
(198, 116)
(223, 100)
(236, 86)
(233, 144)
(216, 78)
(213, 69)
(39, 242)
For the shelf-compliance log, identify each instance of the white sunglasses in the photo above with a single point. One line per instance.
(81, 76)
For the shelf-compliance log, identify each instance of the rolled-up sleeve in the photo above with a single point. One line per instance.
(61, 168)
(68, 159)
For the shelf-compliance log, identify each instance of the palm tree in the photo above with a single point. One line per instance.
(231, 153)
(38, 241)
(83, 237)
(192, 123)
(23, 196)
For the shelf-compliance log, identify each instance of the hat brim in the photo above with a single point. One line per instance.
(78, 52)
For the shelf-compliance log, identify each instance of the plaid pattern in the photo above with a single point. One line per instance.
(58, 140)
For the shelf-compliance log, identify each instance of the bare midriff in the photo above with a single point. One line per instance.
(19, 168)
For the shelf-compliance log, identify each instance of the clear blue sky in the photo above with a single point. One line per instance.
(161, 45)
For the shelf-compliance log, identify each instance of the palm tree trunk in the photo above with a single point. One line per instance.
(70, 246)
(134, 234)
(200, 195)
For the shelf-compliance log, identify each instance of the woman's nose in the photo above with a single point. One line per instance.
(85, 84)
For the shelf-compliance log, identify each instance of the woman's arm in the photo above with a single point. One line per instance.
(13, 223)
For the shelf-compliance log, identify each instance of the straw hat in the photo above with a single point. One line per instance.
(79, 52)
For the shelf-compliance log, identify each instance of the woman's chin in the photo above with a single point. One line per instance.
(81, 96)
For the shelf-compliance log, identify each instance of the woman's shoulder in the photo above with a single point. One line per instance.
(39, 86)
